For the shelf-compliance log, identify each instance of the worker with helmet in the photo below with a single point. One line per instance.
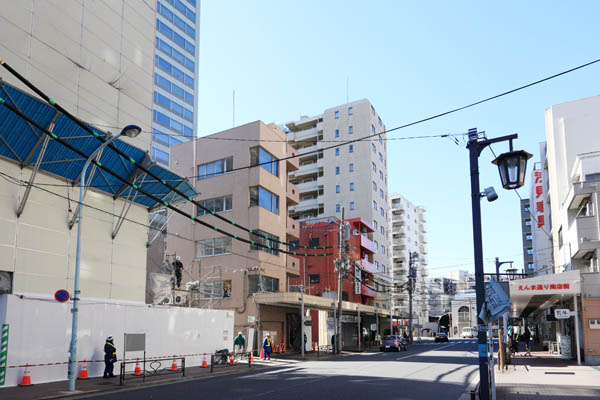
(178, 267)
(110, 357)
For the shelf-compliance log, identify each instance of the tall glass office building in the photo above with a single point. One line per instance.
(175, 75)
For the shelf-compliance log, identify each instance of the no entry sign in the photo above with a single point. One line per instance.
(61, 295)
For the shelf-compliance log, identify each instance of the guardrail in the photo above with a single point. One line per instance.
(152, 367)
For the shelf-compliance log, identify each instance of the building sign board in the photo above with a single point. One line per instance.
(497, 302)
(357, 280)
(562, 313)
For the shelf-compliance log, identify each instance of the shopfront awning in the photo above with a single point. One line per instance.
(531, 295)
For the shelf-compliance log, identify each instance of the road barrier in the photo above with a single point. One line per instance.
(221, 360)
(152, 367)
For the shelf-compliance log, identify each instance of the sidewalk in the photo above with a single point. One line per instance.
(55, 390)
(544, 376)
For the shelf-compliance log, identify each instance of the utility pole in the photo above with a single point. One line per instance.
(340, 266)
(498, 264)
(412, 274)
(302, 308)
(358, 324)
(391, 320)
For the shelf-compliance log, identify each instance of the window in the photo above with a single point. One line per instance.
(213, 247)
(338, 208)
(350, 130)
(383, 231)
(313, 242)
(374, 186)
(530, 266)
(381, 175)
(383, 268)
(352, 205)
(374, 166)
(376, 245)
(380, 140)
(526, 209)
(382, 249)
(372, 128)
(379, 120)
(529, 251)
(215, 168)
(160, 137)
(314, 278)
(381, 193)
(216, 205)
(349, 110)
(351, 148)
(337, 115)
(373, 148)
(375, 224)
(215, 290)
(176, 55)
(351, 167)
(376, 265)
(337, 133)
(560, 237)
(268, 284)
(375, 205)
(259, 156)
(382, 212)
(527, 222)
(464, 314)
(380, 157)
(372, 110)
(337, 151)
(529, 237)
(352, 186)
(337, 170)
(271, 241)
(337, 188)
(260, 196)
(160, 156)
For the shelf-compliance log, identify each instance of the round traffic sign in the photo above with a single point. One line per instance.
(61, 295)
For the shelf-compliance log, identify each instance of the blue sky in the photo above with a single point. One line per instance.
(412, 60)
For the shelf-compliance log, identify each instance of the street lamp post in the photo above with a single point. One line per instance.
(130, 131)
(512, 167)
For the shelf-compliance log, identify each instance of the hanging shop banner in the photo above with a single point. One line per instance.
(357, 279)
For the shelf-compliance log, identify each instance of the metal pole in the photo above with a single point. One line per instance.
(338, 336)
(391, 322)
(497, 270)
(302, 312)
(474, 150)
(333, 345)
(73, 345)
(577, 330)
(358, 324)
(493, 380)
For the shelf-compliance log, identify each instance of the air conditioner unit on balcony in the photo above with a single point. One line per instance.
(167, 300)
(179, 299)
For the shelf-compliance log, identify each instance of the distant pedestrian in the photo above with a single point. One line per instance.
(526, 338)
(268, 346)
(110, 357)
(333, 345)
(515, 342)
(178, 267)
(305, 339)
(239, 343)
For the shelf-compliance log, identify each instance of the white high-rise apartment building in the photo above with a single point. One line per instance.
(408, 235)
(176, 55)
(352, 176)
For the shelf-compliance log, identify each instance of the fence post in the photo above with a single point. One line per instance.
(212, 362)
(122, 373)
(183, 365)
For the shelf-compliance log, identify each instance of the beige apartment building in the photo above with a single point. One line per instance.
(226, 272)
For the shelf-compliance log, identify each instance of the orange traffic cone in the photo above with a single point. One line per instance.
(251, 357)
(314, 346)
(262, 354)
(174, 364)
(138, 370)
(204, 363)
(232, 360)
(83, 373)
(26, 380)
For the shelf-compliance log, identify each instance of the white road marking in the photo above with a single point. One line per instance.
(418, 354)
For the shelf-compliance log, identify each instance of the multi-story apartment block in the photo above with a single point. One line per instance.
(352, 176)
(224, 272)
(527, 237)
(408, 235)
(176, 66)
(441, 292)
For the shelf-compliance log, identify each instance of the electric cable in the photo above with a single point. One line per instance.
(136, 187)
(174, 189)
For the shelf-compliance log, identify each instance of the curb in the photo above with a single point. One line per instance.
(471, 392)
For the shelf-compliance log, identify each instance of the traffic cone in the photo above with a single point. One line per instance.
(204, 363)
(26, 380)
(138, 370)
(251, 357)
(314, 346)
(262, 354)
(174, 364)
(83, 373)
(232, 360)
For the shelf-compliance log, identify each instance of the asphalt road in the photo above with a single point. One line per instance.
(425, 371)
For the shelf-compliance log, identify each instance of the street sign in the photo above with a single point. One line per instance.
(496, 301)
(61, 296)
(562, 313)
(251, 319)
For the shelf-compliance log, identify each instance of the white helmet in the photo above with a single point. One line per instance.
(177, 258)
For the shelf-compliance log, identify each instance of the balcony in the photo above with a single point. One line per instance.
(308, 149)
(308, 186)
(309, 168)
(368, 292)
(292, 164)
(583, 236)
(579, 191)
(292, 265)
(306, 134)
(305, 205)
(368, 266)
(293, 229)
(367, 244)
(292, 195)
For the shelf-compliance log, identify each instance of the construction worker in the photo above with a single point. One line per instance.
(110, 357)
(178, 267)
(239, 343)
(268, 346)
